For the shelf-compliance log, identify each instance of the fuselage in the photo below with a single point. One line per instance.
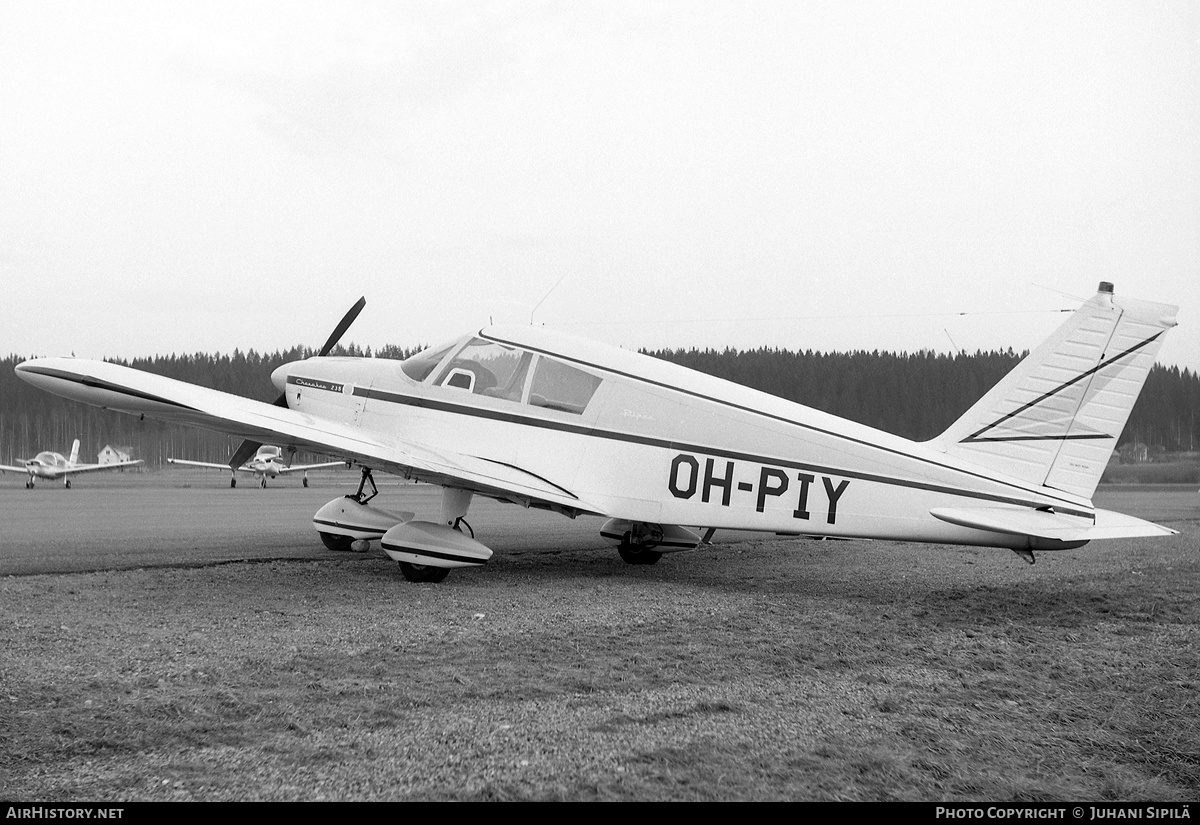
(268, 461)
(47, 464)
(645, 440)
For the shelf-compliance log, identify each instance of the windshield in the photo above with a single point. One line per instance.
(419, 366)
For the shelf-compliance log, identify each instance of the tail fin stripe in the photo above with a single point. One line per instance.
(997, 438)
(975, 437)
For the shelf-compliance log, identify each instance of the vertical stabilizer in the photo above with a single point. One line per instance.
(74, 459)
(1055, 419)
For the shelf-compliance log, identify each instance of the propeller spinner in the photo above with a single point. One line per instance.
(248, 448)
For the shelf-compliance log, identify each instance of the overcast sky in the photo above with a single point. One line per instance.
(204, 176)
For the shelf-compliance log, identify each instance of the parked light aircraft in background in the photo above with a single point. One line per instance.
(53, 466)
(548, 421)
(268, 462)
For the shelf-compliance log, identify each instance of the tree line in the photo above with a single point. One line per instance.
(32, 420)
(914, 395)
(918, 395)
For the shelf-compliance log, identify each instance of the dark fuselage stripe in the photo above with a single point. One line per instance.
(578, 429)
(772, 416)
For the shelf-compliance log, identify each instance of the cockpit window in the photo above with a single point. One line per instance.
(557, 386)
(418, 367)
(484, 368)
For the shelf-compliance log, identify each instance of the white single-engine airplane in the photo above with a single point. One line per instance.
(268, 462)
(53, 466)
(548, 421)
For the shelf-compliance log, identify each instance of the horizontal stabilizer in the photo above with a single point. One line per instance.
(1048, 525)
(1112, 525)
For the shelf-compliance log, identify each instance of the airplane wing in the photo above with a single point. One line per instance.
(92, 468)
(243, 468)
(141, 393)
(8, 468)
(295, 468)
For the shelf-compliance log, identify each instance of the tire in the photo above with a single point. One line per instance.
(305, 482)
(423, 572)
(67, 484)
(232, 483)
(336, 541)
(634, 554)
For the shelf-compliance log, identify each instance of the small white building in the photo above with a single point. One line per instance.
(111, 454)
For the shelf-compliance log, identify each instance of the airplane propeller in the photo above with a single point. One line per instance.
(249, 448)
(342, 326)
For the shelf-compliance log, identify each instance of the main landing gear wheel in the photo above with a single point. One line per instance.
(636, 553)
(428, 572)
(305, 481)
(423, 572)
(67, 484)
(232, 482)
(336, 542)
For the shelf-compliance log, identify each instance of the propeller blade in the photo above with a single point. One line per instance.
(244, 453)
(249, 448)
(346, 321)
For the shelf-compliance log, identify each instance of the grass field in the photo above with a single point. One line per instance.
(760, 671)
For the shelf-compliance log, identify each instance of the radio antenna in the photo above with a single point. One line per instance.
(959, 351)
(544, 297)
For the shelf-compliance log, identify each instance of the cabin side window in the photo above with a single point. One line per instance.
(557, 386)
